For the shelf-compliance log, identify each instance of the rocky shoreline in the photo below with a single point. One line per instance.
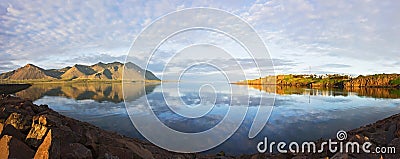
(31, 131)
(329, 81)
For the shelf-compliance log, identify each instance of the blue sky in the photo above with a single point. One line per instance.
(354, 37)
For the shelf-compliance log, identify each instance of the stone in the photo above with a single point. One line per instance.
(11, 131)
(40, 109)
(76, 150)
(4, 148)
(340, 156)
(49, 148)
(11, 147)
(38, 131)
(120, 152)
(1, 127)
(18, 121)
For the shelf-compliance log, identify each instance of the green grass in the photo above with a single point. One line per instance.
(395, 82)
(395, 91)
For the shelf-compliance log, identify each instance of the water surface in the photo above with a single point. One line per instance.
(299, 114)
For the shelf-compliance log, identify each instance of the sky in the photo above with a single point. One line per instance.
(302, 36)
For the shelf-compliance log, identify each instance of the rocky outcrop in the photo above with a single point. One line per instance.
(336, 81)
(381, 80)
(31, 131)
(10, 147)
(383, 133)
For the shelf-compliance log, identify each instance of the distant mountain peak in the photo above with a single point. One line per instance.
(115, 62)
(31, 65)
(99, 64)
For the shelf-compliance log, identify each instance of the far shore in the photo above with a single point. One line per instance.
(329, 80)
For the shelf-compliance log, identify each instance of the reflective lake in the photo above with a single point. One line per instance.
(299, 114)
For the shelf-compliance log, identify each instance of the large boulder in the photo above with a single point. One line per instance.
(18, 120)
(11, 147)
(49, 148)
(38, 131)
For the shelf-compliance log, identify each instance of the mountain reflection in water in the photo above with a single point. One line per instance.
(299, 114)
(97, 91)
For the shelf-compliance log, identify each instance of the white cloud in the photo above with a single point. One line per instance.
(362, 34)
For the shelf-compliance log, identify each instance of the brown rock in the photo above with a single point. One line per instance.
(109, 151)
(340, 156)
(11, 131)
(37, 132)
(76, 150)
(18, 121)
(4, 141)
(381, 80)
(49, 148)
(135, 147)
(1, 127)
(40, 109)
(13, 148)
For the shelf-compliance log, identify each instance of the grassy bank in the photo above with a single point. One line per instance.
(335, 80)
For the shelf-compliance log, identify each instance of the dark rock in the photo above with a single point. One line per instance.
(340, 156)
(76, 151)
(49, 148)
(11, 131)
(41, 108)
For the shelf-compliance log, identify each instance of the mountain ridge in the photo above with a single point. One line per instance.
(98, 71)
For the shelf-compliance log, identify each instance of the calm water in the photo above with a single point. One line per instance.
(299, 114)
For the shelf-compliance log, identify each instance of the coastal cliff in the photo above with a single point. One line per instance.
(381, 80)
(335, 80)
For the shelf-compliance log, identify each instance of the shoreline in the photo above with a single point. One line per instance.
(309, 86)
(32, 131)
(328, 81)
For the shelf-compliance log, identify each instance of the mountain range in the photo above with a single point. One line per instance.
(100, 71)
